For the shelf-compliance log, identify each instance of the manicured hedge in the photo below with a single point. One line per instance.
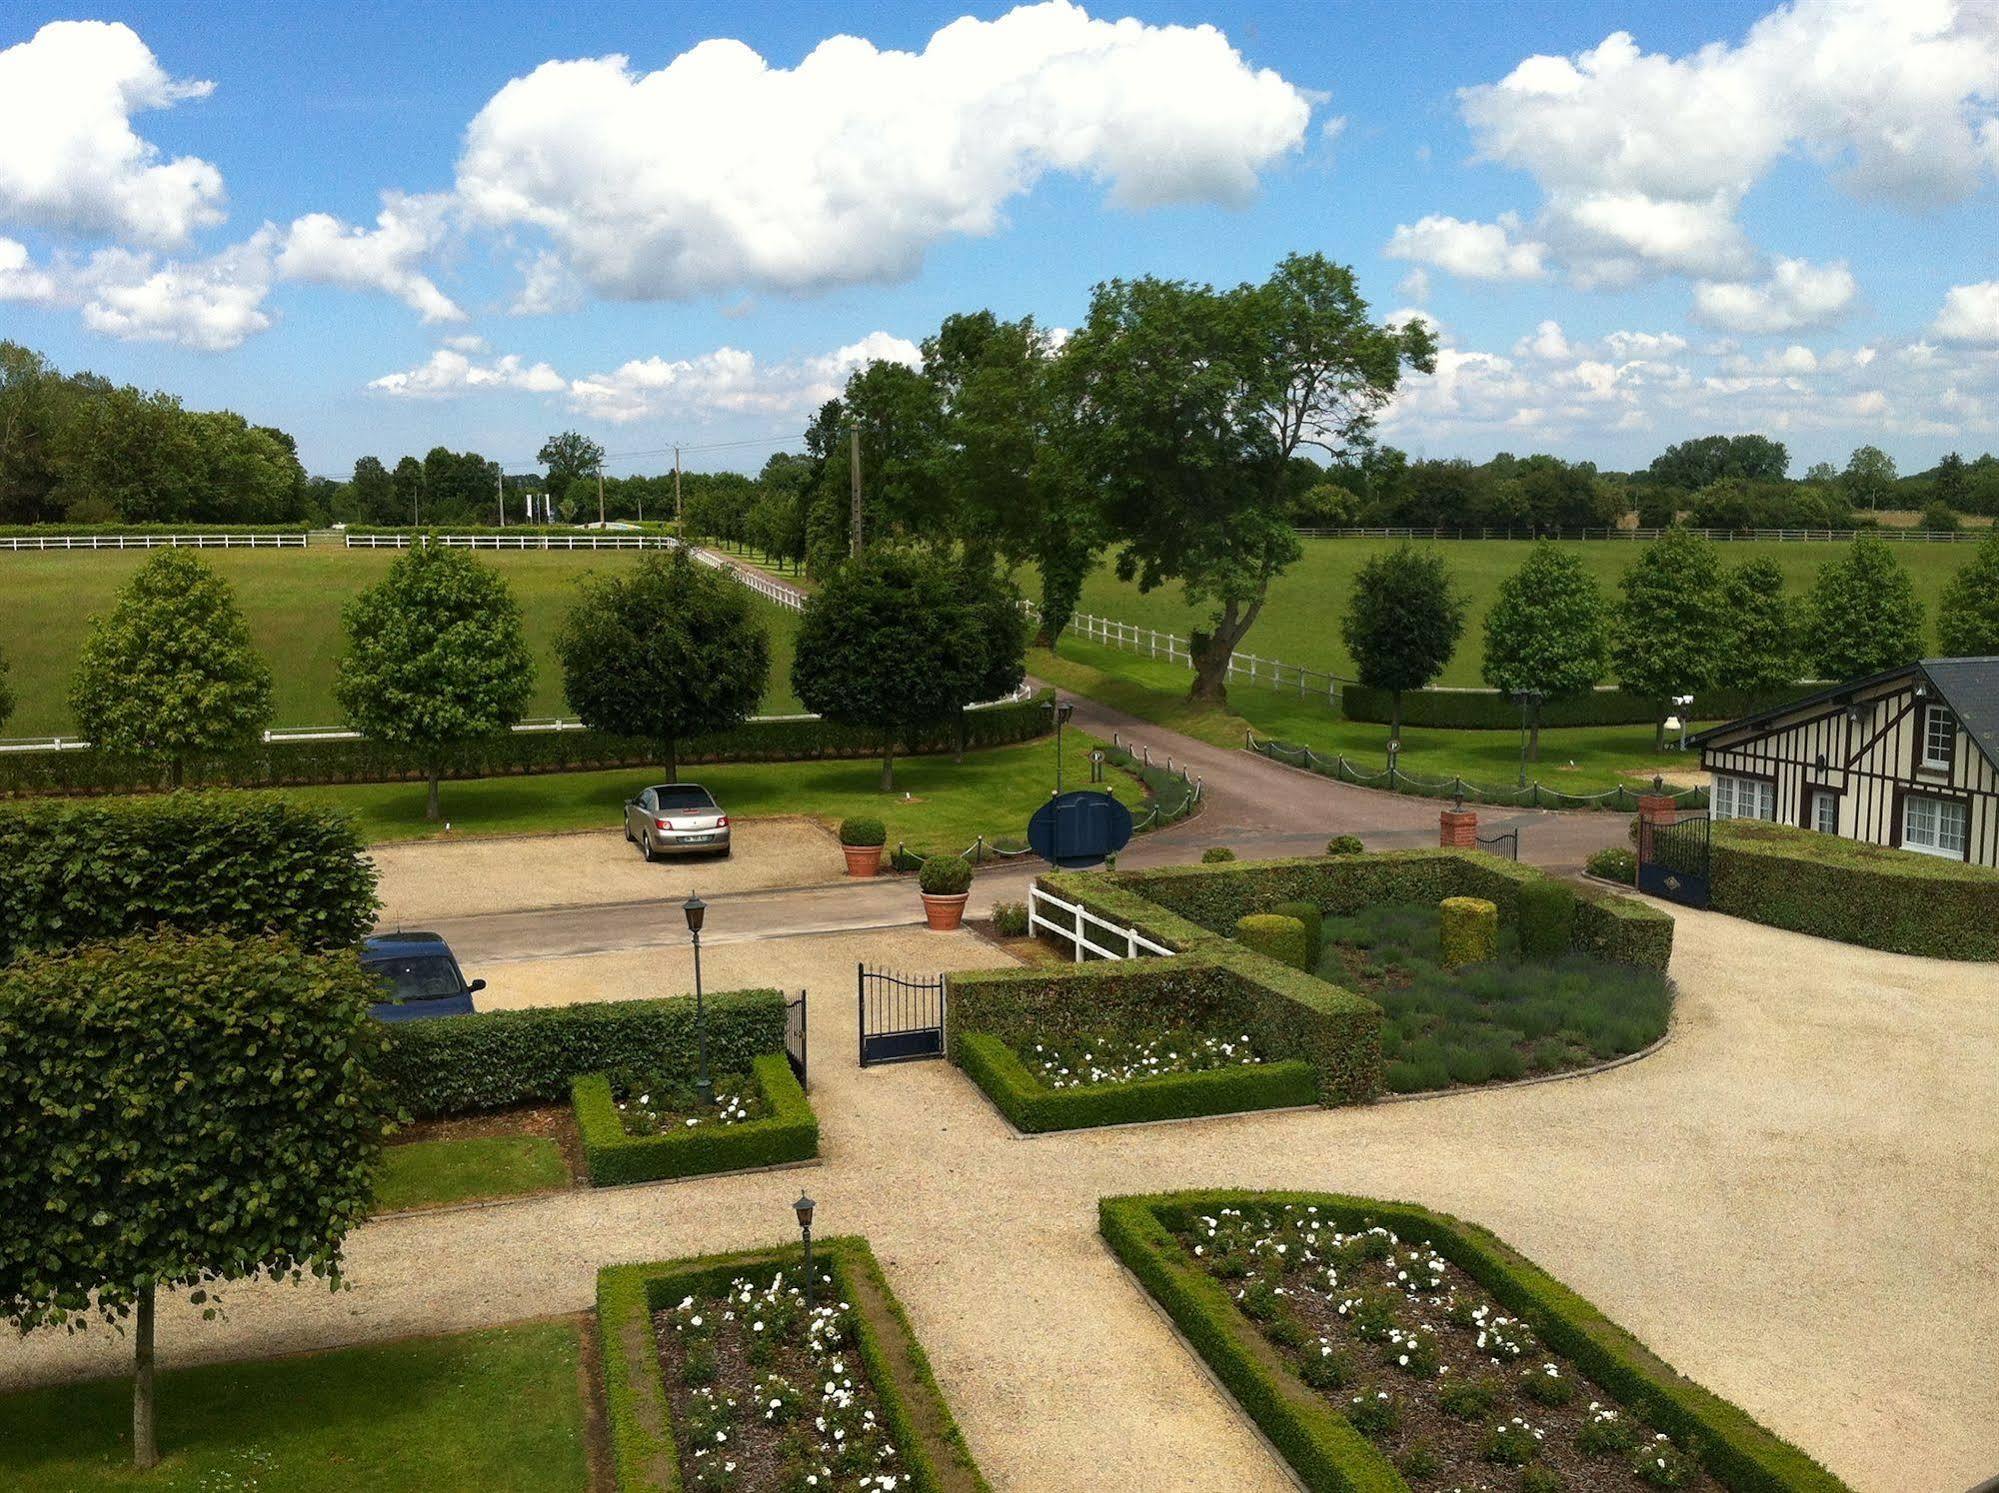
(242, 864)
(932, 1449)
(1325, 1451)
(1282, 938)
(1468, 931)
(790, 1132)
(1489, 710)
(458, 1064)
(285, 764)
(1862, 894)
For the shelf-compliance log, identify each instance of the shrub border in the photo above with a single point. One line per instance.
(789, 1133)
(643, 1451)
(1320, 1445)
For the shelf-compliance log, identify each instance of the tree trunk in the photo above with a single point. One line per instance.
(145, 1446)
(1395, 715)
(176, 774)
(1534, 733)
(888, 763)
(1211, 668)
(432, 810)
(1659, 733)
(963, 727)
(669, 753)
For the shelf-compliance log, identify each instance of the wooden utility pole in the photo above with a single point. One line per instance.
(600, 497)
(500, 487)
(676, 484)
(854, 474)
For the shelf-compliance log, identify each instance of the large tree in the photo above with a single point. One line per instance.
(892, 643)
(1863, 615)
(667, 650)
(1760, 652)
(170, 673)
(1187, 405)
(373, 492)
(1950, 483)
(182, 1112)
(1548, 633)
(1402, 623)
(1709, 458)
(999, 623)
(436, 657)
(1869, 477)
(1967, 612)
(1669, 629)
(568, 456)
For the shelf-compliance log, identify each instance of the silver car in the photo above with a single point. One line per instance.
(677, 819)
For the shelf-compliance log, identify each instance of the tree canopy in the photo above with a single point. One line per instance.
(568, 456)
(1707, 459)
(1760, 651)
(1863, 613)
(1869, 477)
(1670, 628)
(1548, 631)
(1967, 612)
(1402, 622)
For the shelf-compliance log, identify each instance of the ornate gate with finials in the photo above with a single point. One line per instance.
(901, 1018)
(1674, 857)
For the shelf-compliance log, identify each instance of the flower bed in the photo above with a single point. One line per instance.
(631, 1145)
(1381, 1346)
(1111, 1057)
(719, 1378)
(667, 1104)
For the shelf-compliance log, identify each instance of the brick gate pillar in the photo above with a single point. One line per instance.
(1457, 829)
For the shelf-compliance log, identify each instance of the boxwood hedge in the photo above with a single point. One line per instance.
(1861, 894)
(1324, 1449)
(790, 1132)
(461, 1064)
(1489, 710)
(644, 1452)
(235, 863)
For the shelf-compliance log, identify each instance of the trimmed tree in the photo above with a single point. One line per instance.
(890, 642)
(1761, 648)
(170, 673)
(436, 657)
(182, 1111)
(1548, 632)
(667, 650)
(1863, 613)
(1967, 612)
(1669, 631)
(1402, 624)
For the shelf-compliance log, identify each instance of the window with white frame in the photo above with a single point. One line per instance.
(1939, 737)
(1825, 811)
(1742, 798)
(1935, 826)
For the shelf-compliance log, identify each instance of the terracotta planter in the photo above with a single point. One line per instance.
(862, 860)
(944, 913)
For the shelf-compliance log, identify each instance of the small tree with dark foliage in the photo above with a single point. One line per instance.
(1670, 627)
(1864, 615)
(1761, 648)
(1402, 624)
(1968, 611)
(1548, 632)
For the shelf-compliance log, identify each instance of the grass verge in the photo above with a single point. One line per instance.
(436, 1173)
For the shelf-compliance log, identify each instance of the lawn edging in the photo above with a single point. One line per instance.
(789, 1133)
(644, 1452)
(1319, 1443)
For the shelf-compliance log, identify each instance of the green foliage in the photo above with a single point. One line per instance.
(1548, 629)
(1613, 863)
(1216, 855)
(568, 456)
(790, 1132)
(1760, 652)
(667, 650)
(1855, 893)
(1010, 919)
(1967, 613)
(1546, 914)
(171, 674)
(1670, 630)
(1345, 845)
(238, 864)
(6, 694)
(1403, 621)
(1695, 463)
(1468, 930)
(494, 1059)
(1869, 477)
(945, 876)
(1312, 919)
(1035, 1109)
(1280, 938)
(1863, 615)
(863, 831)
(1940, 518)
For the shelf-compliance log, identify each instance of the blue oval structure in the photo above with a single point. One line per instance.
(1079, 828)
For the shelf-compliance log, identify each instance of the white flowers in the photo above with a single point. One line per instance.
(1118, 1059)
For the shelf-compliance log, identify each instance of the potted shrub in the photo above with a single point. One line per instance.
(861, 841)
(945, 881)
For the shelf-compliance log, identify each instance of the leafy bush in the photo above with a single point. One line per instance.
(241, 864)
(1468, 931)
(494, 1059)
(1010, 919)
(1314, 921)
(863, 831)
(1345, 845)
(1613, 863)
(1861, 894)
(1215, 855)
(1281, 938)
(789, 1133)
(1547, 919)
(945, 876)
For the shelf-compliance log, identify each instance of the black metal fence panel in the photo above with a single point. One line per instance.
(901, 1017)
(794, 1039)
(1507, 844)
(1675, 858)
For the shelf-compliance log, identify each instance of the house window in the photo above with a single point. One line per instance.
(1742, 798)
(1825, 812)
(1935, 826)
(1939, 737)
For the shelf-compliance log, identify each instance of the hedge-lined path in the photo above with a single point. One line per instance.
(1792, 1201)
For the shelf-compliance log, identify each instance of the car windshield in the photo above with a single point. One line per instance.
(680, 797)
(419, 977)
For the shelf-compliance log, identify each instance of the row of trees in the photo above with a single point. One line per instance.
(1684, 623)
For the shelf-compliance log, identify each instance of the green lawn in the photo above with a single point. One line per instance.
(948, 804)
(1301, 622)
(432, 1173)
(1577, 760)
(478, 1411)
(292, 600)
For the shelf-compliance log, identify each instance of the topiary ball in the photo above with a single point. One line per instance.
(945, 875)
(1345, 845)
(863, 830)
(1283, 939)
(1469, 932)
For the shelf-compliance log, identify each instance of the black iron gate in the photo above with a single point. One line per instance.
(901, 1018)
(794, 1039)
(1507, 844)
(1674, 857)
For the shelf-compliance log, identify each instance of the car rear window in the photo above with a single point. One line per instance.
(684, 797)
(421, 978)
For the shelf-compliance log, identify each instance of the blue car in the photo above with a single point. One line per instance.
(421, 974)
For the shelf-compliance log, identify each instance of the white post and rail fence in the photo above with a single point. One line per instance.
(1087, 932)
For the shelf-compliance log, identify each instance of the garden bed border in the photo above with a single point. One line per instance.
(789, 1133)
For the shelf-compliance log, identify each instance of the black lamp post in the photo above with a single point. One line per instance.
(1060, 711)
(697, 912)
(803, 1208)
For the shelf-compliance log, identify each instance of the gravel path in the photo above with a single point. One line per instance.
(1793, 1201)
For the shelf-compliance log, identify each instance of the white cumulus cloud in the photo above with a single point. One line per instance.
(1475, 251)
(1970, 314)
(319, 247)
(1796, 294)
(211, 304)
(450, 371)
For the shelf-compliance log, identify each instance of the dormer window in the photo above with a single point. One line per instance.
(1939, 737)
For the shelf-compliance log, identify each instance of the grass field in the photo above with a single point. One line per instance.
(292, 600)
(1301, 622)
(432, 1173)
(478, 1411)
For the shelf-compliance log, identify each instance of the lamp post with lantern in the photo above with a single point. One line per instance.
(697, 913)
(803, 1208)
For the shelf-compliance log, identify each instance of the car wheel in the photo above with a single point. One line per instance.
(645, 847)
(628, 832)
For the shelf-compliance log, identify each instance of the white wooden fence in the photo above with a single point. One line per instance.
(1244, 668)
(153, 541)
(595, 541)
(1129, 942)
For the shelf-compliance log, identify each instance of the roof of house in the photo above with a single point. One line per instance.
(1969, 686)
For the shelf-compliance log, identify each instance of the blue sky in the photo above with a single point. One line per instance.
(1730, 217)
